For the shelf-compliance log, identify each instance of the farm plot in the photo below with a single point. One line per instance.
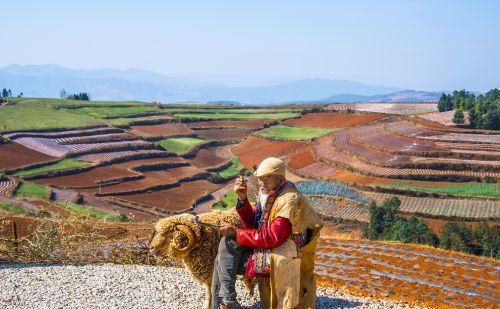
(445, 118)
(332, 120)
(6, 186)
(255, 149)
(451, 207)
(339, 209)
(376, 136)
(116, 112)
(198, 110)
(108, 156)
(30, 116)
(13, 155)
(175, 199)
(58, 166)
(466, 189)
(227, 116)
(88, 178)
(415, 274)
(211, 156)
(324, 150)
(180, 145)
(344, 141)
(223, 134)
(151, 179)
(397, 108)
(282, 132)
(330, 189)
(166, 129)
(241, 124)
(301, 158)
(130, 121)
(66, 133)
(464, 137)
(51, 147)
(341, 107)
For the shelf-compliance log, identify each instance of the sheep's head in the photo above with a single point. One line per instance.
(175, 236)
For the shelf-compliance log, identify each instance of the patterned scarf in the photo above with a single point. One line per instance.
(262, 257)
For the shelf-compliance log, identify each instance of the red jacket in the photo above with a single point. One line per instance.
(270, 237)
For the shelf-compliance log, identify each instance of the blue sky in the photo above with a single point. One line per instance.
(428, 45)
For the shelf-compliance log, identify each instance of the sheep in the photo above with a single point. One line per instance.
(195, 241)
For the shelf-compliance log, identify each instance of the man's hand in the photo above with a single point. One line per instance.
(240, 187)
(228, 230)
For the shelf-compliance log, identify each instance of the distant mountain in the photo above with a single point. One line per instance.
(398, 96)
(113, 85)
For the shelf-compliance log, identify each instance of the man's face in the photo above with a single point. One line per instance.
(269, 182)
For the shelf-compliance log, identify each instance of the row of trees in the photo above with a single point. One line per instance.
(483, 110)
(82, 96)
(385, 224)
(7, 93)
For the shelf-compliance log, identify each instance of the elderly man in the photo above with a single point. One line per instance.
(276, 244)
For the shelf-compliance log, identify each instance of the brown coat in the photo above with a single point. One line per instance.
(292, 283)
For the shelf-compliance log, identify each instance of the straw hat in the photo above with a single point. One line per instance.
(270, 166)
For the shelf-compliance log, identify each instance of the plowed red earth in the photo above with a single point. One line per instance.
(175, 199)
(53, 209)
(255, 149)
(302, 158)
(244, 124)
(414, 274)
(152, 178)
(87, 179)
(213, 156)
(223, 134)
(13, 155)
(332, 120)
(166, 129)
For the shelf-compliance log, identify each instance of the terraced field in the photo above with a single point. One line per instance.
(414, 274)
(449, 207)
(340, 209)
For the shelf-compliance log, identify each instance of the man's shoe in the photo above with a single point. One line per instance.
(230, 304)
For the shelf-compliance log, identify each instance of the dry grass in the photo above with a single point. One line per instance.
(72, 241)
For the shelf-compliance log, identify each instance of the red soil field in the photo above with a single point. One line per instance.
(175, 199)
(302, 158)
(13, 155)
(166, 129)
(244, 124)
(255, 149)
(212, 156)
(223, 134)
(331, 120)
(152, 178)
(88, 178)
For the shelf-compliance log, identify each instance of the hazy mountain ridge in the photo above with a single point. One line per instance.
(141, 85)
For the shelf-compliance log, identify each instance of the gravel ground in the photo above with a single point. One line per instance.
(130, 286)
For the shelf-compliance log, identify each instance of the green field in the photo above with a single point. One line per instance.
(61, 103)
(103, 112)
(27, 189)
(61, 165)
(17, 210)
(469, 189)
(38, 116)
(293, 133)
(232, 170)
(87, 212)
(188, 110)
(236, 116)
(180, 145)
(228, 201)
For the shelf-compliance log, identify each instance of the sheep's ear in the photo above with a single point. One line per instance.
(190, 236)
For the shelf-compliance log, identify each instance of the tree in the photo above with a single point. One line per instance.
(445, 103)
(10, 93)
(413, 230)
(63, 94)
(5, 93)
(458, 117)
(457, 237)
